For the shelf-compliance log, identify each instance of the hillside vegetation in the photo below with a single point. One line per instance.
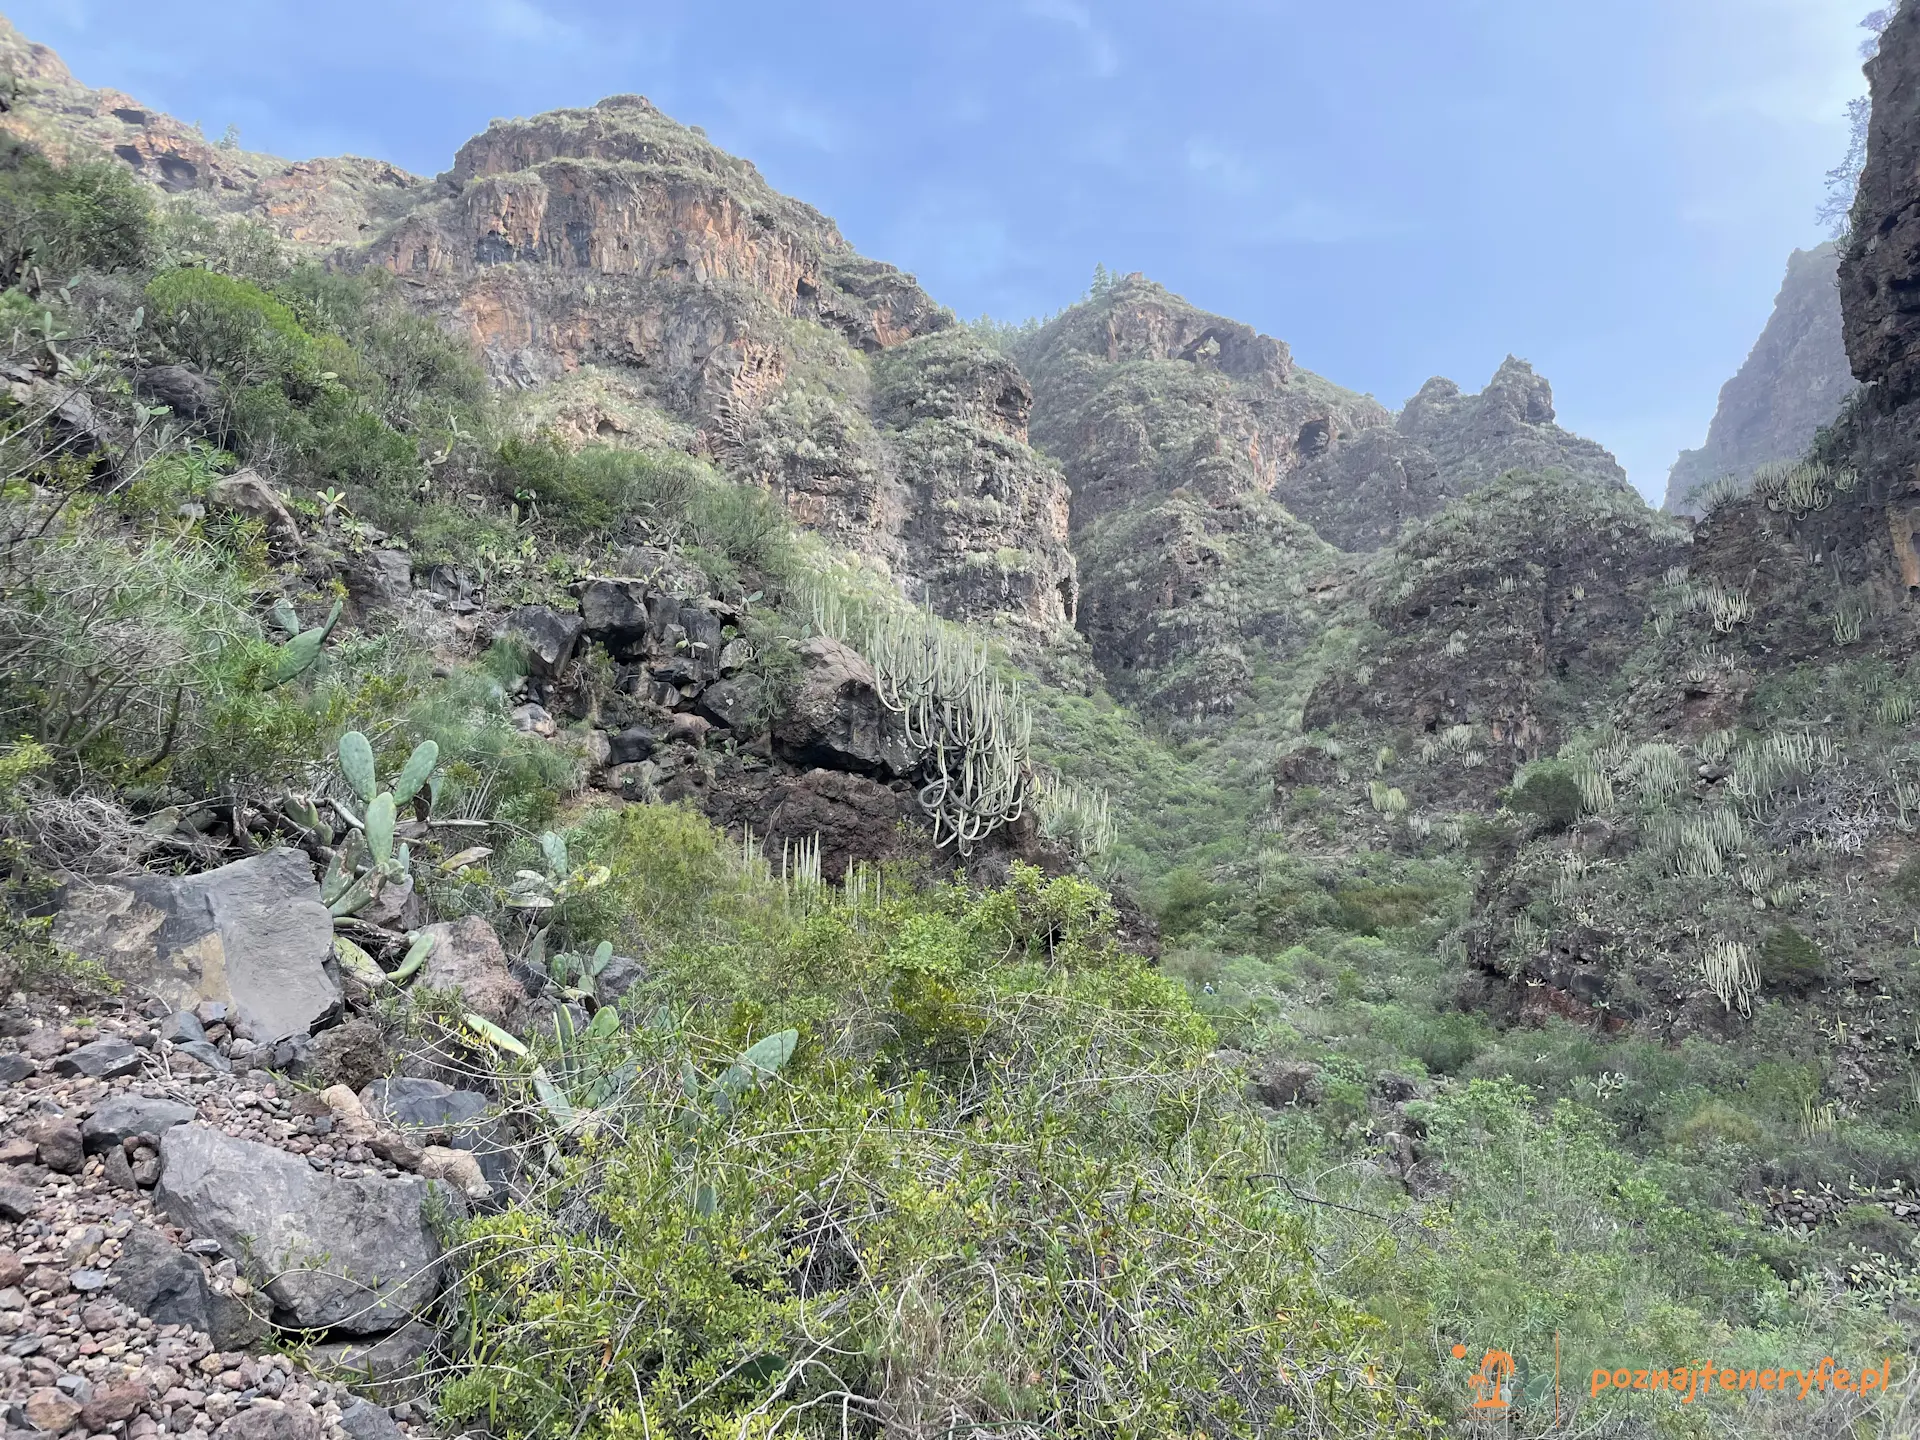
(1485, 921)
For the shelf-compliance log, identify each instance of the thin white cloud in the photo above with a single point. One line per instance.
(1270, 214)
(521, 22)
(1103, 56)
(1221, 168)
(760, 106)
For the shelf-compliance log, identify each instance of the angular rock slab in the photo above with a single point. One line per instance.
(835, 718)
(252, 934)
(356, 1256)
(467, 956)
(170, 1288)
(389, 1368)
(121, 1117)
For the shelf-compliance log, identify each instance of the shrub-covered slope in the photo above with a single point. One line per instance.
(1530, 892)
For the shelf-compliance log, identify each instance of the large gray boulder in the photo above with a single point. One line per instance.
(390, 1368)
(252, 934)
(357, 1256)
(835, 719)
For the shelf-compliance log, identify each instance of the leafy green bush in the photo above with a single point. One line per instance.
(90, 215)
(1871, 1228)
(1716, 1123)
(233, 329)
(117, 649)
(1549, 792)
(599, 489)
(859, 1234)
(1186, 901)
(1446, 1042)
(1376, 909)
(1790, 961)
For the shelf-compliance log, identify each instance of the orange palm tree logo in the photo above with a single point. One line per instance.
(1492, 1381)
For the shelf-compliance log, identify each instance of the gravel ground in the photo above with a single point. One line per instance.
(73, 1359)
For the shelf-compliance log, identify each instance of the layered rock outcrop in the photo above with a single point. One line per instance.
(1215, 485)
(1503, 614)
(1359, 490)
(320, 203)
(1880, 302)
(1174, 427)
(612, 238)
(1794, 380)
(677, 298)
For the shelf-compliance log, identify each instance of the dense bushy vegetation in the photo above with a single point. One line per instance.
(912, 1155)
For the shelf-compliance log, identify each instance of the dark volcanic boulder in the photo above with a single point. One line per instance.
(190, 395)
(631, 745)
(614, 612)
(122, 1117)
(835, 719)
(100, 1059)
(547, 635)
(855, 817)
(733, 702)
(154, 1279)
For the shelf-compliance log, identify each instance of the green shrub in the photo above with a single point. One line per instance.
(1375, 909)
(1340, 1104)
(734, 528)
(1790, 961)
(1447, 1041)
(1716, 1123)
(90, 215)
(667, 869)
(1549, 793)
(233, 329)
(854, 1231)
(1871, 1228)
(1186, 901)
(1784, 1088)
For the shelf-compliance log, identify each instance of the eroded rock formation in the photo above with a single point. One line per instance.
(615, 239)
(1793, 382)
(313, 202)
(1215, 484)
(1880, 300)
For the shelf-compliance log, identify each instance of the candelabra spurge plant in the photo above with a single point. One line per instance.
(969, 726)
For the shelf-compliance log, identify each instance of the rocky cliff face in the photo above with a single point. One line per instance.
(1359, 489)
(314, 202)
(662, 289)
(1880, 301)
(1175, 427)
(1794, 381)
(612, 241)
(1215, 485)
(1506, 613)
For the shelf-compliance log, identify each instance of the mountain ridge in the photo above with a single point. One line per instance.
(1793, 381)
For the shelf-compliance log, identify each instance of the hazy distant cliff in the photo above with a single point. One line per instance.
(1792, 383)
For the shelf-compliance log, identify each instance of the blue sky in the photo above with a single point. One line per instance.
(1398, 189)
